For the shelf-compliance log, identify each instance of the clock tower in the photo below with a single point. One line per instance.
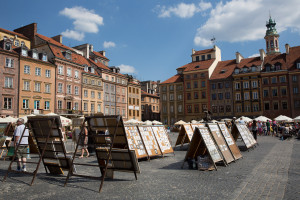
(272, 42)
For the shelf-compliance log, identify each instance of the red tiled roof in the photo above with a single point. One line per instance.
(174, 79)
(204, 51)
(75, 58)
(14, 33)
(148, 94)
(272, 59)
(99, 64)
(205, 64)
(224, 69)
(99, 54)
(52, 41)
(249, 62)
(293, 57)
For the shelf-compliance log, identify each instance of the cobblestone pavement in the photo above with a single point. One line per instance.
(269, 171)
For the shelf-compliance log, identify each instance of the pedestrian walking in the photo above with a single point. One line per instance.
(21, 144)
(254, 129)
(84, 143)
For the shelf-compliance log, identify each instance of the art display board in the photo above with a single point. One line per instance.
(203, 144)
(220, 141)
(185, 135)
(197, 125)
(149, 140)
(238, 130)
(249, 134)
(6, 129)
(46, 130)
(230, 140)
(135, 141)
(109, 141)
(162, 139)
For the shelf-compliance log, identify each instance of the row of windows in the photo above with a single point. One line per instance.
(246, 85)
(275, 106)
(171, 97)
(37, 86)
(274, 80)
(220, 85)
(134, 113)
(118, 80)
(153, 100)
(68, 89)
(220, 96)
(196, 95)
(153, 108)
(171, 88)
(195, 84)
(179, 109)
(133, 90)
(195, 76)
(37, 71)
(246, 96)
(85, 94)
(274, 91)
(60, 71)
(92, 81)
(189, 108)
(208, 57)
(37, 104)
(133, 101)
(221, 109)
(24, 52)
(247, 108)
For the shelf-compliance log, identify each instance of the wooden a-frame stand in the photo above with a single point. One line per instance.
(110, 144)
(47, 133)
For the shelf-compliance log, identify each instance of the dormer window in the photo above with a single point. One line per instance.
(24, 52)
(86, 68)
(96, 61)
(236, 71)
(68, 55)
(22, 44)
(223, 71)
(17, 43)
(253, 68)
(44, 57)
(203, 57)
(92, 70)
(4, 38)
(245, 69)
(7, 46)
(34, 54)
(278, 66)
(298, 65)
(268, 68)
(197, 58)
(208, 56)
(197, 67)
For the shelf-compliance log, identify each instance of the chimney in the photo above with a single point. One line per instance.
(58, 38)
(287, 48)
(262, 54)
(29, 31)
(239, 57)
(102, 52)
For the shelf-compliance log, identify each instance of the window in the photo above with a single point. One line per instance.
(37, 104)
(295, 90)
(254, 95)
(7, 46)
(237, 85)
(298, 65)
(171, 97)
(294, 78)
(85, 93)
(214, 96)
(44, 57)
(238, 96)
(274, 92)
(76, 74)
(208, 56)
(284, 105)
(92, 107)
(247, 108)
(246, 85)
(254, 84)
(275, 106)
(274, 80)
(93, 82)
(195, 84)
(76, 90)
(171, 108)
(93, 94)
(220, 85)
(69, 89)
(85, 80)
(8, 82)
(195, 75)
(106, 77)
(188, 76)
(253, 68)
(282, 79)
(227, 84)
(238, 108)
(203, 94)
(171, 87)
(25, 104)
(107, 98)
(48, 73)
(214, 109)
(196, 108)
(34, 55)
(9, 63)
(92, 70)
(196, 95)
(60, 70)
(203, 57)
(202, 83)
(69, 72)
(47, 88)
(220, 96)
(38, 71)
(164, 97)
(188, 85)
(99, 108)
(37, 87)
(60, 88)
(24, 52)
(179, 108)
(188, 96)
(179, 97)
(213, 86)
(297, 104)
(99, 83)
(227, 95)
(59, 104)
(189, 109)
(266, 93)
(265, 81)
(255, 107)
(76, 106)
(85, 106)
(204, 107)
(283, 92)
(99, 95)
(113, 79)
(47, 105)
(228, 108)
(7, 103)
(236, 71)
(267, 106)
(246, 96)
(26, 69)
(26, 85)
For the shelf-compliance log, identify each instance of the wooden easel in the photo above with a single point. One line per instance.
(238, 130)
(6, 133)
(163, 140)
(47, 133)
(149, 141)
(185, 135)
(230, 141)
(112, 150)
(202, 144)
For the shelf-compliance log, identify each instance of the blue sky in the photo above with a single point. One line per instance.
(151, 38)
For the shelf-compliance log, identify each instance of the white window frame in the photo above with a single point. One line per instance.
(76, 74)
(47, 105)
(59, 104)
(69, 72)
(9, 62)
(60, 70)
(60, 88)
(48, 73)
(47, 88)
(25, 103)
(76, 90)
(37, 86)
(38, 71)
(9, 82)
(85, 93)
(69, 89)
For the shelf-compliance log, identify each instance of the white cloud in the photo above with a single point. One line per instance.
(127, 69)
(85, 21)
(182, 10)
(108, 44)
(73, 35)
(244, 20)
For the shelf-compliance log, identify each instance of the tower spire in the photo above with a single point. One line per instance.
(271, 37)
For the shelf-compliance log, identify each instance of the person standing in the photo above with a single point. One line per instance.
(242, 121)
(84, 143)
(21, 144)
(254, 129)
(268, 124)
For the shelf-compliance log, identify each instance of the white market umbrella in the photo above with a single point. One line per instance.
(156, 122)
(283, 118)
(246, 119)
(132, 121)
(64, 121)
(9, 119)
(214, 121)
(262, 119)
(194, 122)
(26, 117)
(180, 122)
(297, 119)
(148, 122)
